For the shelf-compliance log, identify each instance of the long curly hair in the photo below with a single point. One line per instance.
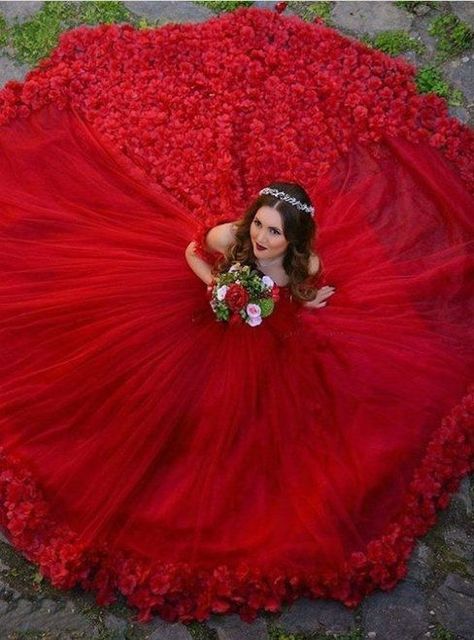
(299, 229)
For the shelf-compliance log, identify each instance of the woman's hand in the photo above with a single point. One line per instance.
(321, 297)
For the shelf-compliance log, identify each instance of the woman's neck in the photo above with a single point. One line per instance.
(270, 262)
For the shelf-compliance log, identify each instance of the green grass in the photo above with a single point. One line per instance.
(34, 39)
(199, 631)
(453, 35)
(276, 633)
(103, 12)
(3, 31)
(410, 5)
(394, 42)
(430, 80)
(440, 633)
(318, 10)
(224, 5)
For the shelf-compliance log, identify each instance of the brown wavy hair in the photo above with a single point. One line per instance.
(299, 229)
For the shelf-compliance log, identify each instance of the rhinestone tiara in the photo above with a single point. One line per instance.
(282, 195)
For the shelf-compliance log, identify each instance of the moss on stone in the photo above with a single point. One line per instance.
(453, 35)
(394, 42)
(315, 10)
(35, 38)
(429, 79)
(224, 5)
(411, 5)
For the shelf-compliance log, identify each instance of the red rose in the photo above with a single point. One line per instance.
(236, 318)
(281, 6)
(236, 297)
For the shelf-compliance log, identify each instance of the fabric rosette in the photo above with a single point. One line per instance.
(241, 295)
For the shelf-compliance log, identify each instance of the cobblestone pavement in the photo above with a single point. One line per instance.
(436, 600)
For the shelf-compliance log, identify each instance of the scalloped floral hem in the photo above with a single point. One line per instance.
(179, 591)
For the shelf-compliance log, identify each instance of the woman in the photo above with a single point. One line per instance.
(193, 465)
(276, 243)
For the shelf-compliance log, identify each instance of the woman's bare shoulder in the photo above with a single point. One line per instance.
(313, 264)
(220, 237)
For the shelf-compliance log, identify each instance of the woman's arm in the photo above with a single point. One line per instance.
(200, 267)
(218, 238)
(322, 294)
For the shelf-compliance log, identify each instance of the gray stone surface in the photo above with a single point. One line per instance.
(460, 72)
(459, 542)
(162, 630)
(464, 11)
(3, 537)
(463, 498)
(453, 604)
(115, 624)
(370, 17)
(26, 615)
(231, 627)
(306, 615)
(11, 70)
(267, 4)
(401, 614)
(460, 113)
(19, 11)
(419, 565)
(171, 11)
(419, 31)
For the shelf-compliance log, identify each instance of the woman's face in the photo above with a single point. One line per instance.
(266, 234)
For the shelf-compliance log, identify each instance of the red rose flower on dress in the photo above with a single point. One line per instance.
(281, 6)
(236, 297)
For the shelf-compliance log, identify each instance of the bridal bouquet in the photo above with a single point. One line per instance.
(241, 295)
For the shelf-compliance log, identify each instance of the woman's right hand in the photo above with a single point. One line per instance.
(321, 297)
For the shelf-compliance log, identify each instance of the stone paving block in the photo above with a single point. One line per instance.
(460, 72)
(171, 11)
(419, 564)
(461, 114)
(11, 70)
(115, 624)
(464, 11)
(232, 627)
(268, 4)
(169, 631)
(453, 604)
(307, 615)
(25, 615)
(419, 31)
(370, 17)
(19, 11)
(399, 614)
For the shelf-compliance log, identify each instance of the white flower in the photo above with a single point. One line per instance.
(235, 267)
(221, 291)
(253, 310)
(254, 321)
(268, 282)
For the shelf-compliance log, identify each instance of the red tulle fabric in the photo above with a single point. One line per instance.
(194, 466)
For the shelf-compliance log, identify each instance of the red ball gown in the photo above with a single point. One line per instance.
(201, 467)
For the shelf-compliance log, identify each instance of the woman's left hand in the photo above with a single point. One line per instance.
(321, 297)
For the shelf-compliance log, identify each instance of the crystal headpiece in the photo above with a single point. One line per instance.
(281, 195)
